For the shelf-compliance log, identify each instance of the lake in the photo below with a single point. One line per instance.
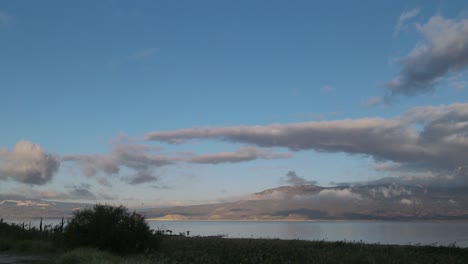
(383, 232)
(401, 233)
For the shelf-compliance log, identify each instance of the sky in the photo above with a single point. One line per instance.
(161, 103)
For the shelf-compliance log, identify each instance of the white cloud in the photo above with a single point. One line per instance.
(27, 163)
(459, 85)
(408, 201)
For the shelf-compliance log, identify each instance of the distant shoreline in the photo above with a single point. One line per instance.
(305, 221)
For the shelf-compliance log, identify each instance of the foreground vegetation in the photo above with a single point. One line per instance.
(97, 236)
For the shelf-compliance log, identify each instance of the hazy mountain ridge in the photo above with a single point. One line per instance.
(18, 207)
(311, 202)
(301, 202)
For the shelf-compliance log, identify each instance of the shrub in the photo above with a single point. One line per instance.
(109, 228)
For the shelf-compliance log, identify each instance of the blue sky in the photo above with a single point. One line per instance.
(82, 78)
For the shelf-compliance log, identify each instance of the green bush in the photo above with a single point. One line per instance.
(109, 228)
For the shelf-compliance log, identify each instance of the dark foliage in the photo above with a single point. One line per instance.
(109, 228)
(18, 231)
(24, 238)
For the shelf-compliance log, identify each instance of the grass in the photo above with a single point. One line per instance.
(219, 250)
(94, 256)
(177, 249)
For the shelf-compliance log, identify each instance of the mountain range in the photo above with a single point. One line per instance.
(311, 202)
(294, 203)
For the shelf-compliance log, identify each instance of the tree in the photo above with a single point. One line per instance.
(109, 228)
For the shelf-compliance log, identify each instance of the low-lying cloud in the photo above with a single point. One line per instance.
(71, 192)
(346, 194)
(323, 195)
(292, 179)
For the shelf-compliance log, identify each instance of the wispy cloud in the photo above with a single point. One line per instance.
(373, 101)
(136, 56)
(90, 165)
(327, 89)
(143, 54)
(459, 85)
(458, 82)
(5, 18)
(404, 18)
(443, 51)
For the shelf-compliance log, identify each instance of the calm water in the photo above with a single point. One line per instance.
(403, 233)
